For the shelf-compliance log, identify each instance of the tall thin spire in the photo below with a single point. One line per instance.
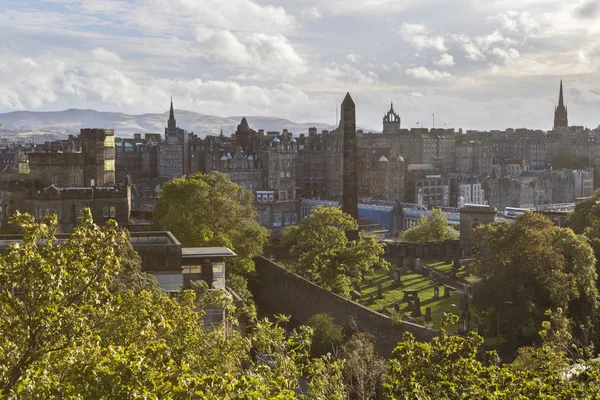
(561, 102)
(560, 112)
(171, 124)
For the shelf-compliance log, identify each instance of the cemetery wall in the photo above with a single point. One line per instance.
(279, 291)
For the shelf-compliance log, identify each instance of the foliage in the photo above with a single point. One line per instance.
(326, 256)
(447, 368)
(327, 335)
(66, 334)
(363, 368)
(569, 161)
(531, 266)
(429, 229)
(130, 275)
(210, 210)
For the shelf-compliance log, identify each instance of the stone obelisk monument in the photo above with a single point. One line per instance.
(349, 198)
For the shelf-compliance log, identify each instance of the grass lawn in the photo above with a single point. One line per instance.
(392, 294)
(444, 268)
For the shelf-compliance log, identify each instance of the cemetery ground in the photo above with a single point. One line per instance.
(411, 281)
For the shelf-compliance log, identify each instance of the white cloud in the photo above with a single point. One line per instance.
(345, 73)
(103, 55)
(417, 36)
(256, 51)
(353, 58)
(446, 60)
(312, 13)
(426, 74)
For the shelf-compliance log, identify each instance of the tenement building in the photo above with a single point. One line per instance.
(64, 183)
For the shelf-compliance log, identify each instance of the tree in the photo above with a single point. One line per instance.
(429, 229)
(327, 335)
(130, 275)
(210, 210)
(447, 367)
(326, 256)
(66, 334)
(530, 266)
(363, 368)
(585, 220)
(569, 161)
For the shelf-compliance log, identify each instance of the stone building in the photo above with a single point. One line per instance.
(91, 165)
(318, 167)
(561, 119)
(65, 182)
(391, 121)
(174, 151)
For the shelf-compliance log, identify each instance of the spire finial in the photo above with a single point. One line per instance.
(560, 95)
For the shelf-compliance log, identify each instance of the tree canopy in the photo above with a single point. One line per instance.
(66, 333)
(448, 368)
(429, 229)
(530, 266)
(210, 210)
(326, 256)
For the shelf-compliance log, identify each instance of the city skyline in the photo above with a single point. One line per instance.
(496, 66)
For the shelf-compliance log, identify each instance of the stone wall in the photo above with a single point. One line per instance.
(279, 291)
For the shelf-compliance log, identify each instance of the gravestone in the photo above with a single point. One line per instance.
(461, 327)
(431, 274)
(416, 310)
(418, 265)
(446, 292)
(379, 291)
(355, 294)
(428, 314)
(397, 277)
(409, 306)
(404, 270)
(436, 293)
(468, 268)
(371, 299)
(397, 307)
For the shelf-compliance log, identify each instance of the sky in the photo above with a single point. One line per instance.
(475, 64)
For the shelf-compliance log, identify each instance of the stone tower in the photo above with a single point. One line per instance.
(349, 197)
(391, 121)
(560, 112)
(470, 218)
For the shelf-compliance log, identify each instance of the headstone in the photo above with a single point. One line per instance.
(461, 327)
(371, 299)
(431, 274)
(428, 314)
(397, 307)
(468, 268)
(409, 306)
(446, 292)
(456, 265)
(404, 270)
(416, 310)
(355, 295)
(418, 265)
(379, 291)
(397, 277)
(436, 293)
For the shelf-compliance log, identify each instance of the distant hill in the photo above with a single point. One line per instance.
(58, 122)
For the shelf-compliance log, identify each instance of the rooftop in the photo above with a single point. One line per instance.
(207, 252)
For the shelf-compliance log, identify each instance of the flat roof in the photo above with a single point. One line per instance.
(189, 252)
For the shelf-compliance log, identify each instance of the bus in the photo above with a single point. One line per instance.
(513, 212)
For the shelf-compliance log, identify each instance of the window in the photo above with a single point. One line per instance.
(288, 174)
(294, 219)
(105, 212)
(270, 196)
(283, 195)
(287, 219)
(276, 219)
(113, 212)
(258, 197)
(281, 174)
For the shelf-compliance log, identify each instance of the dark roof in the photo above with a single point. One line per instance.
(189, 252)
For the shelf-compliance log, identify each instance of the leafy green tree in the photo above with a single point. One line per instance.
(327, 335)
(448, 368)
(569, 161)
(326, 256)
(210, 210)
(130, 275)
(429, 229)
(66, 333)
(530, 266)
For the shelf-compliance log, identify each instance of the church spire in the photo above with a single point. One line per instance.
(560, 112)
(561, 102)
(171, 124)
